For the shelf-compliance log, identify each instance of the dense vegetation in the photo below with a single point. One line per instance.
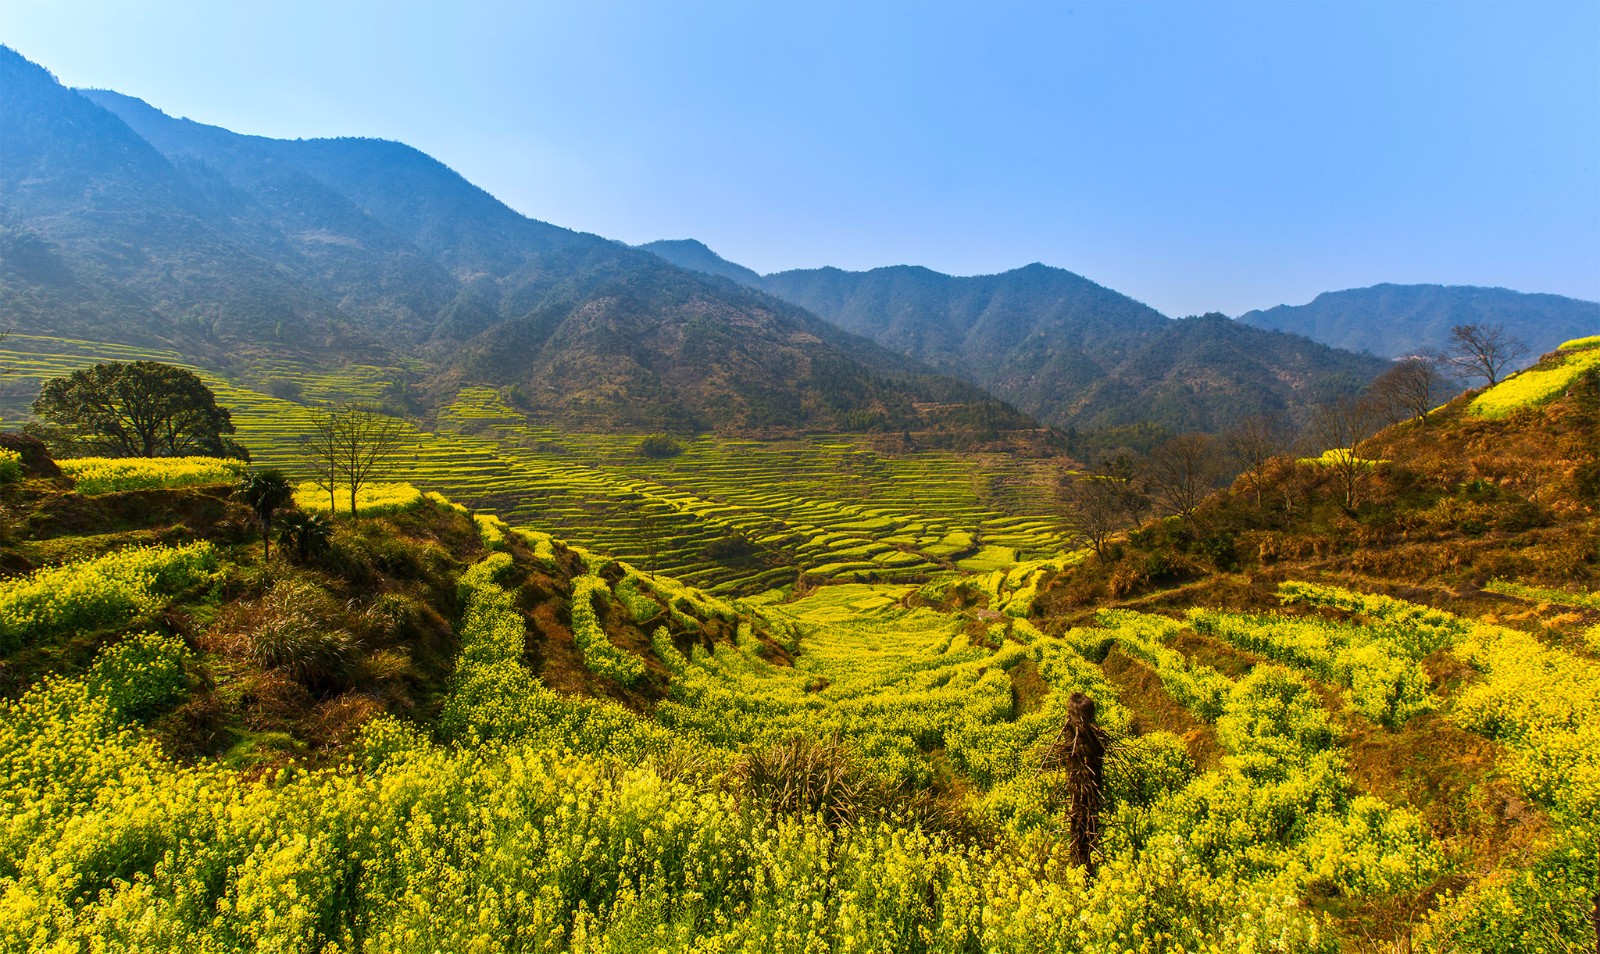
(1330, 727)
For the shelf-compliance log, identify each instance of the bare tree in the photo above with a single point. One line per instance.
(1409, 389)
(1183, 472)
(1252, 443)
(321, 447)
(353, 445)
(1338, 429)
(1093, 507)
(1291, 480)
(1126, 469)
(1484, 351)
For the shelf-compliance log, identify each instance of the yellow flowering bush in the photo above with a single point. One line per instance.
(1382, 680)
(599, 655)
(371, 500)
(140, 674)
(492, 530)
(10, 465)
(544, 546)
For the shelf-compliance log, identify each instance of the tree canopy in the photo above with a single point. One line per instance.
(135, 409)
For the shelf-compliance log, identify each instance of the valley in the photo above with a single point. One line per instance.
(385, 570)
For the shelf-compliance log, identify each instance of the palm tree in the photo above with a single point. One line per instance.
(307, 533)
(265, 492)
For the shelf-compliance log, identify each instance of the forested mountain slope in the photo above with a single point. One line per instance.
(124, 224)
(1071, 352)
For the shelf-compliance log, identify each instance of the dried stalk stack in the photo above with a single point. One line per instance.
(1080, 751)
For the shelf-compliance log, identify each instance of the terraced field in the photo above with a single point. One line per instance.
(1349, 772)
(726, 514)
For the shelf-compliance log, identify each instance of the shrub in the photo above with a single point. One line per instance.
(285, 389)
(294, 631)
(659, 446)
(10, 465)
(805, 778)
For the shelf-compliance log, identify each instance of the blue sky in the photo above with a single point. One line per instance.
(1195, 156)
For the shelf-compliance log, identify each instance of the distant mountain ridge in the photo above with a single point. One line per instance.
(1063, 348)
(1393, 321)
(118, 222)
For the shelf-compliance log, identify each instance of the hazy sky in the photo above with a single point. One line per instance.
(1197, 157)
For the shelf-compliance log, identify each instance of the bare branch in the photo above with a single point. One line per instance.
(1183, 472)
(1484, 351)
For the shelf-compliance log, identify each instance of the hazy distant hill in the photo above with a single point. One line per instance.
(119, 222)
(1396, 320)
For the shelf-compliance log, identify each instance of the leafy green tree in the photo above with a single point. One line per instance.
(265, 492)
(135, 409)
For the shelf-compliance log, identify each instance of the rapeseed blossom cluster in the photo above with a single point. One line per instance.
(534, 821)
(102, 592)
(104, 475)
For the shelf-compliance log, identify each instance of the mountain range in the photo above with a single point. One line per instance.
(119, 222)
(1077, 354)
(1073, 353)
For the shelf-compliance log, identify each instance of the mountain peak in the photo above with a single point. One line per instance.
(696, 256)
